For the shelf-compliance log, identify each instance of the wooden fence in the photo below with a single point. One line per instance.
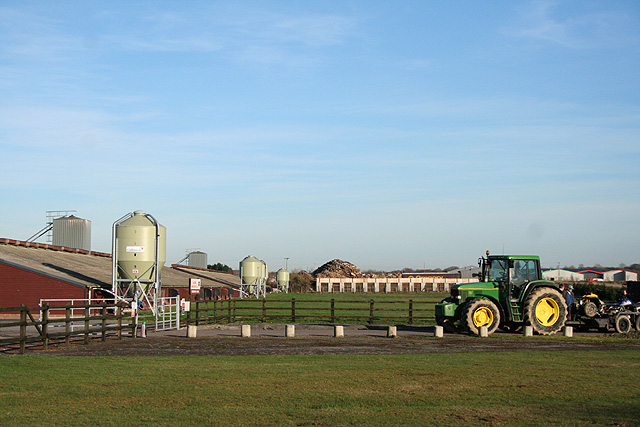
(38, 325)
(313, 311)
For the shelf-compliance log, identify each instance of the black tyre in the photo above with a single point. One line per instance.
(637, 322)
(545, 310)
(590, 309)
(622, 324)
(480, 312)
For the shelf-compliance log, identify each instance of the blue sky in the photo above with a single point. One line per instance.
(388, 134)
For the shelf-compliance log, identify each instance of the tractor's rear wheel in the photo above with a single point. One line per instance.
(622, 324)
(637, 322)
(480, 312)
(545, 310)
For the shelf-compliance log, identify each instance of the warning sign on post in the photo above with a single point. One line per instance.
(194, 286)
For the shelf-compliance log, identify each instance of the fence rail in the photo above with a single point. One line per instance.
(330, 311)
(37, 325)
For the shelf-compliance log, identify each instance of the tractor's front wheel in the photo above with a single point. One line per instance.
(545, 310)
(480, 312)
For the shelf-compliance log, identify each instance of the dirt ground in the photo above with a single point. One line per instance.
(270, 339)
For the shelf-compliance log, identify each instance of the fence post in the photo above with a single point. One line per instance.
(67, 323)
(86, 323)
(23, 327)
(45, 326)
(333, 310)
(188, 317)
(371, 312)
(119, 312)
(293, 310)
(215, 311)
(197, 312)
(104, 322)
(264, 310)
(411, 312)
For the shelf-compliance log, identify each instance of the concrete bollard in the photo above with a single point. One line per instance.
(439, 332)
(338, 331)
(246, 331)
(528, 331)
(143, 330)
(192, 331)
(290, 331)
(392, 332)
(568, 331)
(484, 331)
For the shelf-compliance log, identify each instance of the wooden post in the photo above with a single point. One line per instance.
(215, 312)
(104, 322)
(333, 310)
(188, 317)
(23, 327)
(67, 323)
(197, 312)
(264, 310)
(411, 312)
(371, 312)
(45, 326)
(119, 322)
(86, 323)
(293, 310)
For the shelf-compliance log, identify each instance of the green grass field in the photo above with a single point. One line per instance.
(349, 308)
(597, 388)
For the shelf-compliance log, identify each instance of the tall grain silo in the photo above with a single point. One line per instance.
(282, 279)
(71, 232)
(139, 253)
(252, 277)
(197, 259)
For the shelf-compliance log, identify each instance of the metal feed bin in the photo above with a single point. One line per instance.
(139, 253)
(71, 232)
(197, 259)
(282, 278)
(253, 273)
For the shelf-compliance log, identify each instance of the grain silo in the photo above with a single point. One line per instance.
(197, 259)
(71, 232)
(282, 279)
(139, 253)
(253, 277)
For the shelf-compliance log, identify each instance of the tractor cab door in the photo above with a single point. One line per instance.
(521, 272)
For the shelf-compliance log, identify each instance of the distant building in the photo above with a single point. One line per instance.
(620, 276)
(592, 275)
(562, 275)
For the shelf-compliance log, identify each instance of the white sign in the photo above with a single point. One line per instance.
(195, 285)
(138, 249)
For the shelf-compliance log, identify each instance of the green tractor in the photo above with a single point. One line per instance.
(509, 295)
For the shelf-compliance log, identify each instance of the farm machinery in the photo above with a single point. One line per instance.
(593, 313)
(510, 294)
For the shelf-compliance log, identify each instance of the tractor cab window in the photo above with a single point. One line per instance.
(522, 272)
(498, 270)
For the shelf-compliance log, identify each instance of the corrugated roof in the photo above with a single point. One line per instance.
(95, 269)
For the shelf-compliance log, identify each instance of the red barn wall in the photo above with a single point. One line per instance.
(20, 286)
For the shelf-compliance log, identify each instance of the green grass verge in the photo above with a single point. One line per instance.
(576, 388)
(349, 308)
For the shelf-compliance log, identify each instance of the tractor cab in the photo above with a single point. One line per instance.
(511, 273)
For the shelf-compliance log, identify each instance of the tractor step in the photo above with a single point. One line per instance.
(515, 310)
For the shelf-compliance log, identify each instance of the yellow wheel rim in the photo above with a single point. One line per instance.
(547, 311)
(483, 316)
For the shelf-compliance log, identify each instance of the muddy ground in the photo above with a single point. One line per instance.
(319, 340)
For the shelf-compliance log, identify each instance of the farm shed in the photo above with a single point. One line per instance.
(562, 275)
(30, 272)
